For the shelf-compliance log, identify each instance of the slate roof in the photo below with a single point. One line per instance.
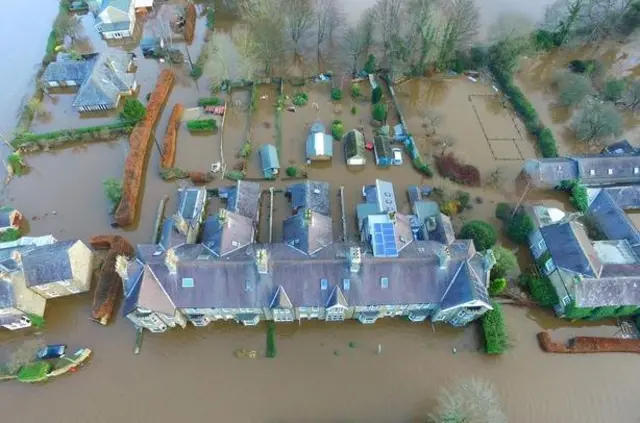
(107, 79)
(612, 220)
(191, 203)
(226, 232)
(608, 292)
(382, 147)
(131, 286)
(115, 26)
(319, 143)
(170, 235)
(269, 158)
(67, 69)
(550, 172)
(244, 199)
(381, 194)
(353, 144)
(627, 197)
(8, 319)
(49, 263)
(571, 249)
(281, 299)
(308, 231)
(311, 195)
(7, 297)
(122, 5)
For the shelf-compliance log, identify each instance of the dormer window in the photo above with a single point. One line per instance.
(610, 171)
(636, 170)
(592, 172)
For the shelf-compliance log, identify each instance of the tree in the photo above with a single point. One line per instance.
(595, 120)
(560, 20)
(422, 22)
(470, 401)
(388, 20)
(572, 87)
(496, 286)
(431, 119)
(265, 23)
(632, 96)
(484, 235)
(370, 67)
(614, 89)
(113, 191)
(246, 48)
(298, 19)
(505, 262)
(353, 46)
(365, 28)
(511, 38)
(461, 24)
(519, 227)
(67, 25)
(379, 112)
(376, 95)
(133, 110)
(327, 16)
(599, 19)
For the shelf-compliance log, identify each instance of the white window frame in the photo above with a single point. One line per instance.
(636, 170)
(566, 300)
(549, 266)
(52, 294)
(610, 172)
(592, 172)
(64, 283)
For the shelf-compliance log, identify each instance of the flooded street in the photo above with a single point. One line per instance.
(324, 372)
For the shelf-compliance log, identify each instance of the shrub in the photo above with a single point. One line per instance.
(36, 321)
(505, 262)
(292, 171)
(478, 57)
(579, 198)
(544, 40)
(484, 235)
(202, 125)
(196, 71)
(614, 89)
(572, 88)
(356, 91)
(379, 112)
(271, 341)
(133, 110)
(370, 64)
(540, 289)
(16, 164)
(547, 144)
(588, 67)
(449, 167)
(113, 191)
(450, 208)
(10, 234)
(246, 149)
(354, 110)
(519, 227)
(464, 198)
(494, 329)
(504, 211)
(337, 130)
(211, 18)
(300, 99)
(496, 286)
(422, 167)
(336, 94)
(376, 95)
(210, 101)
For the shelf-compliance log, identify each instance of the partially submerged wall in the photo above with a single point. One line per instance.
(171, 137)
(190, 23)
(139, 144)
(589, 344)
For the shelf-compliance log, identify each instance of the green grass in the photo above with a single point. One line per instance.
(70, 134)
(16, 163)
(34, 372)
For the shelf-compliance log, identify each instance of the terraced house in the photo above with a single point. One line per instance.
(392, 272)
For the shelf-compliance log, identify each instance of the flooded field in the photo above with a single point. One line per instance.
(63, 195)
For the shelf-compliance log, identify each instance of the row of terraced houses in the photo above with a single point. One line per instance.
(407, 265)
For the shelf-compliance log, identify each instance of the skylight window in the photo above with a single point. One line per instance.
(324, 284)
(187, 282)
(384, 282)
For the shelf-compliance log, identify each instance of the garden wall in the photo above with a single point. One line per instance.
(139, 144)
(190, 23)
(171, 136)
(589, 344)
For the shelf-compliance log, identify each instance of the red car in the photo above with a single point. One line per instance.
(369, 146)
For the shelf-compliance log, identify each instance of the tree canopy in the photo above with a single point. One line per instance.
(484, 235)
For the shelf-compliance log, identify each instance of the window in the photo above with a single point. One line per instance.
(636, 170)
(592, 172)
(566, 300)
(549, 266)
(324, 284)
(52, 294)
(610, 172)
(282, 315)
(542, 245)
(384, 282)
(54, 84)
(71, 83)
(247, 285)
(346, 284)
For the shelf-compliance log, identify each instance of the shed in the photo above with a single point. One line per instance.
(382, 150)
(319, 143)
(269, 160)
(354, 148)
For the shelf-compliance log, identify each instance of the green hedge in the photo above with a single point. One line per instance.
(210, 101)
(271, 341)
(202, 125)
(422, 167)
(526, 111)
(495, 331)
(540, 289)
(596, 313)
(70, 135)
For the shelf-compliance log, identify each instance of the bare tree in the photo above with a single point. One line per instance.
(431, 119)
(266, 25)
(366, 27)
(421, 20)
(460, 26)
(632, 97)
(471, 400)
(216, 67)
(357, 40)
(326, 13)
(388, 18)
(596, 121)
(599, 18)
(298, 19)
(246, 48)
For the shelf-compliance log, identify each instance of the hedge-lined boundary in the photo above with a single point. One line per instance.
(495, 331)
(35, 141)
(546, 142)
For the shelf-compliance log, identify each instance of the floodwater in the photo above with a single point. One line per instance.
(317, 377)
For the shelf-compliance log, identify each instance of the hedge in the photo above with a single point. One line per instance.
(71, 135)
(495, 331)
(607, 312)
(540, 289)
(202, 125)
(526, 111)
(210, 101)
(271, 341)
(422, 167)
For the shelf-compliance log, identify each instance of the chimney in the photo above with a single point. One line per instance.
(222, 216)
(17, 257)
(355, 259)
(262, 261)
(171, 261)
(121, 267)
(444, 255)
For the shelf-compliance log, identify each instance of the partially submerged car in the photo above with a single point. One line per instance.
(397, 156)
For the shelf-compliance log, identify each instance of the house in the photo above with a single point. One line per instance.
(319, 143)
(382, 150)
(595, 170)
(190, 211)
(354, 151)
(269, 160)
(623, 147)
(310, 195)
(311, 278)
(115, 19)
(58, 269)
(142, 5)
(102, 79)
(243, 199)
(9, 219)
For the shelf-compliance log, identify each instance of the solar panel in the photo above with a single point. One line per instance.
(384, 240)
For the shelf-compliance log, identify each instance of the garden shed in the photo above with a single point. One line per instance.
(319, 143)
(354, 151)
(382, 150)
(269, 160)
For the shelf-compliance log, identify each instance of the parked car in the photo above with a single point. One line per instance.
(397, 156)
(51, 351)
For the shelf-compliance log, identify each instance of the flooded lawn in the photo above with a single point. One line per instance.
(236, 126)
(263, 127)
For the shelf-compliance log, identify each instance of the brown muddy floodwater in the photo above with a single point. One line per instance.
(192, 375)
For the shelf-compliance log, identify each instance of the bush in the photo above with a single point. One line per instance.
(370, 65)
(300, 99)
(379, 112)
(336, 94)
(356, 91)
(202, 125)
(354, 110)
(271, 341)
(572, 88)
(495, 331)
(505, 262)
(579, 198)
(614, 89)
(422, 167)
(496, 286)
(246, 149)
(449, 167)
(337, 130)
(519, 227)
(196, 71)
(210, 101)
(292, 171)
(540, 289)
(464, 198)
(133, 110)
(478, 57)
(211, 18)
(504, 211)
(484, 235)
(544, 40)
(547, 143)
(595, 120)
(376, 95)
(450, 208)
(16, 164)
(10, 234)
(113, 191)
(588, 67)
